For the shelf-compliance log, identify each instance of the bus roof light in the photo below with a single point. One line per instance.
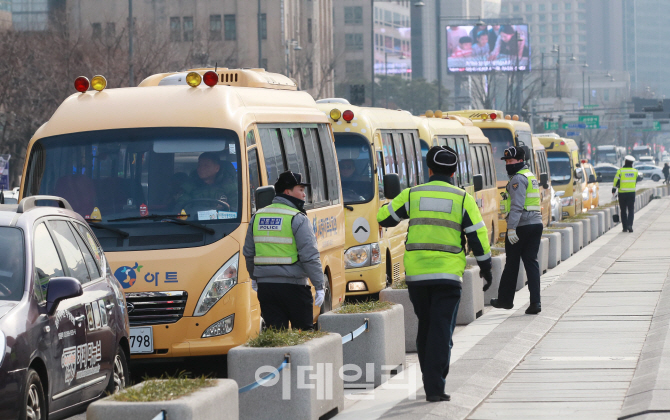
(210, 78)
(562, 143)
(429, 114)
(515, 118)
(438, 114)
(348, 115)
(508, 117)
(98, 83)
(493, 116)
(82, 84)
(193, 79)
(335, 114)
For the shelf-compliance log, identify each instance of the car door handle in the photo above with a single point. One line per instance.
(79, 318)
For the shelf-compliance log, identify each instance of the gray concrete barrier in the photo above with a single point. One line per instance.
(595, 226)
(577, 232)
(472, 297)
(566, 240)
(586, 233)
(497, 267)
(521, 279)
(543, 255)
(601, 221)
(554, 256)
(383, 345)
(219, 402)
(401, 297)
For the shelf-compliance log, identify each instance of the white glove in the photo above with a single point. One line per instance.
(320, 297)
(254, 285)
(512, 237)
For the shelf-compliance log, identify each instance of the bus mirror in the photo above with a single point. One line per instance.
(391, 186)
(600, 178)
(578, 173)
(592, 179)
(478, 180)
(544, 180)
(264, 196)
(527, 151)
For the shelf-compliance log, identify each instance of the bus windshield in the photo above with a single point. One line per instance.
(11, 264)
(356, 168)
(500, 139)
(133, 175)
(560, 167)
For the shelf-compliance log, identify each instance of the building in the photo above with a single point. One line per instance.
(5, 14)
(30, 15)
(354, 43)
(295, 35)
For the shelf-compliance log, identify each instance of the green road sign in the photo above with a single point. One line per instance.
(591, 106)
(591, 121)
(550, 125)
(655, 127)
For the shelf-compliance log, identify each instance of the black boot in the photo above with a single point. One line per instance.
(534, 308)
(630, 229)
(496, 304)
(438, 398)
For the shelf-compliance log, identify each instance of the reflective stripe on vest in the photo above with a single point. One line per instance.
(627, 179)
(532, 201)
(273, 235)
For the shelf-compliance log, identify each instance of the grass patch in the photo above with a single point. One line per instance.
(399, 285)
(271, 337)
(364, 307)
(164, 389)
(495, 252)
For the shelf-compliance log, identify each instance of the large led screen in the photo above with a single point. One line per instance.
(484, 48)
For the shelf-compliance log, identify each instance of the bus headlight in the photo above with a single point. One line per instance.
(218, 286)
(567, 201)
(362, 256)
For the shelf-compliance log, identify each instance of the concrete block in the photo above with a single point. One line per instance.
(554, 254)
(472, 297)
(586, 233)
(566, 241)
(601, 221)
(219, 402)
(497, 267)
(595, 226)
(401, 297)
(290, 396)
(377, 352)
(543, 255)
(577, 234)
(607, 211)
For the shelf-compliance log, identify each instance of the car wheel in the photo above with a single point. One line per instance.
(328, 299)
(34, 403)
(656, 178)
(120, 374)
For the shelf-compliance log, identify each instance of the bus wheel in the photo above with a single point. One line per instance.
(328, 300)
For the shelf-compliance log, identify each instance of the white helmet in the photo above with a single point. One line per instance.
(629, 158)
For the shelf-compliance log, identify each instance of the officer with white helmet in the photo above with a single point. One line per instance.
(440, 217)
(281, 254)
(626, 181)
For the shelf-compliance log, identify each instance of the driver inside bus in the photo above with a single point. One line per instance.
(215, 180)
(351, 180)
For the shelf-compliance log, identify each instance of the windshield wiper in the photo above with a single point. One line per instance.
(109, 228)
(348, 207)
(174, 218)
(150, 217)
(194, 224)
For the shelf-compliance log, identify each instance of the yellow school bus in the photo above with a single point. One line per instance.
(503, 131)
(590, 186)
(541, 170)
(566, 173)
(370, 143)
(475, 158)
(166, 174)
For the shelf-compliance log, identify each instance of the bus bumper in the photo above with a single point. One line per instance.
(374, 278)
(568, 211)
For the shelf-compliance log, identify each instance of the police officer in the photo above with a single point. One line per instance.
(440, 217)
(626, 181)
(524, 231)
(281, 253)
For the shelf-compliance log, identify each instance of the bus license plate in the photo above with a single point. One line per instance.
(141, 340)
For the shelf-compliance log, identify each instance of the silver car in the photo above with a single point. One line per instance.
(556, 205)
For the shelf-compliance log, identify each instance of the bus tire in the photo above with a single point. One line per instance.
(328, 300)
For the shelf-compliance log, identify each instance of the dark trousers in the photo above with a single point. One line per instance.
(436, 307)
(282, 303)
(527, 248)
(627, 209)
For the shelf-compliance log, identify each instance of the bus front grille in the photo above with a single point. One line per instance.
(151, 308)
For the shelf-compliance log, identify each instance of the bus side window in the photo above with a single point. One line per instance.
(488, 166)
(254, 175)
(275, 159)
(420, 175)
(451, 142)
(424, 152)
(332, 168)
(475, 162)
(400, 160)
(467, 162)
(295, 156)
(389, 154)
(411, 158)
(316, 167)
(380, 173)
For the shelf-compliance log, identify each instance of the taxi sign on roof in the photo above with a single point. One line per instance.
(478, 114)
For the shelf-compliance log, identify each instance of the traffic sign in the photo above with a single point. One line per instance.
(591, 106)
(572, 125)
(573, 133)
(550, 125)
(591, 121)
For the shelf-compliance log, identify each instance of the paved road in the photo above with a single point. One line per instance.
(606, 189)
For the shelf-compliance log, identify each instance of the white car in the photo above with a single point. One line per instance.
(647, 160)
(11, 196)
(556, 205)
(655, 173)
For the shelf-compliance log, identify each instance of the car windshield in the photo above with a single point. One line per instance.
(559, 165)
(125, 175)
(12, 264)
(356, 169)
(500, 139)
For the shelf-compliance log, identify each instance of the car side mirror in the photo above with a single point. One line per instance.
(60, 288)
(600, 178)
(391, 186)
(592, 179)
(544, 180)
(478, 181)
(264, 196)
(578, 173)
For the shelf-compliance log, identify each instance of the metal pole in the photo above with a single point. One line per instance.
(386, 78)
(589, 90)
(131, 29)
(260, 51)
(542, 78)
(438, 12)
(583, 88)
(372, 53)
(558, 72)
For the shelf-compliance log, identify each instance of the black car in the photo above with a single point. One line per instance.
(63, 319)
(607, 171)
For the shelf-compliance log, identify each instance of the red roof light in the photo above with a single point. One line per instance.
(82, 84)
(210, 78)
(348, 115)
(493, 116)
(562, 143)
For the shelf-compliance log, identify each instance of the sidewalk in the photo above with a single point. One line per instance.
(575, 360)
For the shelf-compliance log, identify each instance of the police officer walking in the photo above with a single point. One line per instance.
(281, 254)
(524, 231)
(440, 217)
(626, 181)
